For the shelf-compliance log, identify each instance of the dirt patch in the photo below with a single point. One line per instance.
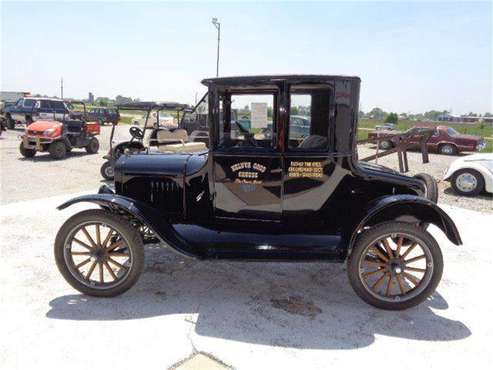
(296, 305)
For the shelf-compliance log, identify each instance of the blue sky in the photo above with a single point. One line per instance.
(411, 56)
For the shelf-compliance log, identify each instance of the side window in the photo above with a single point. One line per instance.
(44, 104)
(29, 103)
(58, 105)
(246, 121)
(309, 117)
(20, 103)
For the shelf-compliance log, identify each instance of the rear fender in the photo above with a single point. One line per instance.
(406, 208)
(143, 213)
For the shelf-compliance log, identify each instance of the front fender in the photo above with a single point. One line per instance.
(145, 214)
(408, 208)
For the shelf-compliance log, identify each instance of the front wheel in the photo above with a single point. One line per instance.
(25, 152)
(107, 171)
(447, 149)
(99, 253)
(57, 150)
(395, 266)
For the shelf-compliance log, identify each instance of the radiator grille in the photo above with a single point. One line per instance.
(163, 194)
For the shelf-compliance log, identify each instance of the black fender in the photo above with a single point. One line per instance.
(406, 208)
(142, 212)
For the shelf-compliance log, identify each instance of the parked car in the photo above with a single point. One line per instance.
(472, 174)
(59, 137)
(30, 109)
(104, 115)
(386, 126)
(264, 200)
(445, 140)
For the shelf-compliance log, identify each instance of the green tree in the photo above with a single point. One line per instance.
(392, 118)
(377, 113)
(295, 111)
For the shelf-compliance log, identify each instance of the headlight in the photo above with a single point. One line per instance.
(49, 132)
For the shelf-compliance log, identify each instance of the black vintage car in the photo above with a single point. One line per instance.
(282, 198)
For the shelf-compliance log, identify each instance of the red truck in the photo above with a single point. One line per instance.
(445, 140)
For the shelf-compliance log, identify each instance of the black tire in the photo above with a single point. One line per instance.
(416, 294)
(431, 186)
(385, 145)
(129, 235)
(93, 146)
(447, 149)
(107, 171)
(476, 182)
(57, 150)
(26, 153)
(10, 123)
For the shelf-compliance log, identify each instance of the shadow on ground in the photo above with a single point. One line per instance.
(308, 305)
(484, 195)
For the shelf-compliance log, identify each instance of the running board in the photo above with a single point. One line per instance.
(216, 244)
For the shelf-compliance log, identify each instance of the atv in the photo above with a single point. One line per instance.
(60, 135)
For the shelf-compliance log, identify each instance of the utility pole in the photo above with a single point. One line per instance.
(61, 87)
(218, 27)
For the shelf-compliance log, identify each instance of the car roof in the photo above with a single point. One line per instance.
(153, 106)
(41, 98)
(271, 79)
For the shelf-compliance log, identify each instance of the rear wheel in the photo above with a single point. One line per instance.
(93, 146)
(57, 150)
(25, 152)
(385, 145)
(99, 253)
(395, 275)
(107, 171)
(467, 182)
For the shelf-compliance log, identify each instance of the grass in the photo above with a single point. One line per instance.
(480, 129)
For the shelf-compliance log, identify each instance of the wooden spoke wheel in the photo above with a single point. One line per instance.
(395, 265)
(99, 253)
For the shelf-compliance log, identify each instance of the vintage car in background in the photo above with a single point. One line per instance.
(445, 140)
(472, 174)
(282, 198)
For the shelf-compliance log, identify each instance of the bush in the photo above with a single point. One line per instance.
(392, 118)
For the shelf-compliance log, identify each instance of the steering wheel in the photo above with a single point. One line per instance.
(248, 135)
(136, 133)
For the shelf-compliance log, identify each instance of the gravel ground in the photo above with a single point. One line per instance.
(247, 315)
(41, 177)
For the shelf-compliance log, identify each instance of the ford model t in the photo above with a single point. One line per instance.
(280, 197)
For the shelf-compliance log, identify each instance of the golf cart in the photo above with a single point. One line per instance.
(59, 134)
(152, 137)
(283, 198)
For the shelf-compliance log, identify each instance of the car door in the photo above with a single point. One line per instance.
(246, 166)
(310, 172)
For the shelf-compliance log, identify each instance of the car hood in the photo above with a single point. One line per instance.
(476, 157)
(160, 164)
(469, 137)
(43, 125)
(155, 164)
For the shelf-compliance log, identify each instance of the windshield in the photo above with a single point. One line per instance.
(452, 132)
